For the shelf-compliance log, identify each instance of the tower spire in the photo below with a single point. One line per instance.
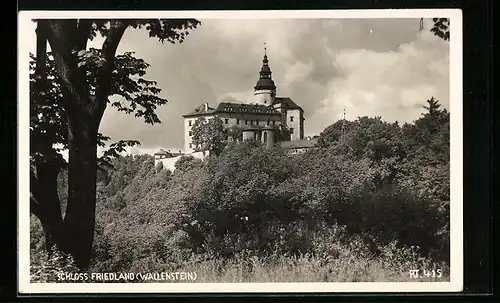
(265, 75)
(343, 121)
(265, 89)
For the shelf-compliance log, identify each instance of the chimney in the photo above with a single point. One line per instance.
(206, 106)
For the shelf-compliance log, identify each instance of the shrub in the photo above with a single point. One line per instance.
(45, 267)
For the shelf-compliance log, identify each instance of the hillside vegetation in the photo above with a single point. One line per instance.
(370, 203)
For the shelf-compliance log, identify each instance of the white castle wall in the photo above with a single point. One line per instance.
(169, 163)
(297, 124)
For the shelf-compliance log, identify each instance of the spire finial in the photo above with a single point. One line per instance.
(343, 122)
(265, 49)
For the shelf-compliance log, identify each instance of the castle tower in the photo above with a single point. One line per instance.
(265, 90)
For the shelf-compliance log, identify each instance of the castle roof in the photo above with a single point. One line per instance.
(168, 153)
(287, 103)
(229, 107)
(265, 83)
(200, 110)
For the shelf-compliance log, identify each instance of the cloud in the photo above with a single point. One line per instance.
(382, 67)
(393, 84)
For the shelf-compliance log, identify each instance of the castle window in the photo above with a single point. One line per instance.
(190, 122)
(268, 122)
(274, 122)
(237, 121)
(246, 122)
(226, 121)
(190, 133)
(291, 118)
(291, 129)
(265, 137)
(190, 145)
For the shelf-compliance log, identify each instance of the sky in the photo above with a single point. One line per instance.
(369, 67)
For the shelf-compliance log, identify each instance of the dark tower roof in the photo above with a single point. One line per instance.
(265, 80)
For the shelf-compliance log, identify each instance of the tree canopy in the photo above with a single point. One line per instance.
(209, 134)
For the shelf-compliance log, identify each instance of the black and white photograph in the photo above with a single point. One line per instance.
(242, 151)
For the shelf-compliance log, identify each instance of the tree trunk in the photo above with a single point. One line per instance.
(50, 212)
(44, 185)
(80, 212)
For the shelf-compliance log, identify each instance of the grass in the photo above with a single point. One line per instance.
(305, 269)
(285, 269)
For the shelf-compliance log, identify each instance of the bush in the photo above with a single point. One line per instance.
(46, 268)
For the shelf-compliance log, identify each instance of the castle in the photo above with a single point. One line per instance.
(268, 118)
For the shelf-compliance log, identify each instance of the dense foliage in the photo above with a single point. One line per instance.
(209, 135)
(373, 192)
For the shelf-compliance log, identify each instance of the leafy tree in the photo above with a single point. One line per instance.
(186, 163)
(235, 133)
(86, 79)
(366, 137)
(333, 133)
(427, 140)
(209, 135)
(441, 27)
(159, 167)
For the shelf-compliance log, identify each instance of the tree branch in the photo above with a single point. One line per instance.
(83, 32)
(41, 52)
(34, 184)
(35, 208)
(115, 34)
(61, 36)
